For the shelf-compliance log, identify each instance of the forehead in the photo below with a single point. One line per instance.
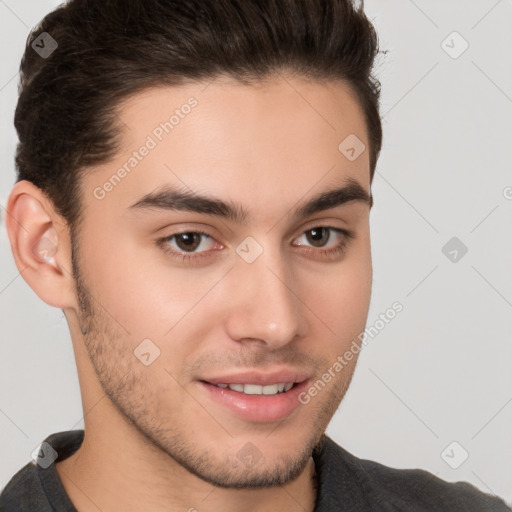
(270, 140)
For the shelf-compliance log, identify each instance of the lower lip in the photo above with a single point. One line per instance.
(258, 408)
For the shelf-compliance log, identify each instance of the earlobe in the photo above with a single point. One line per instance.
(40, 244)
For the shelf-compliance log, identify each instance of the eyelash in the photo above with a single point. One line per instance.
(184, 256)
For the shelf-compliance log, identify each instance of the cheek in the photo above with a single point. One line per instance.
(342, 297)
(136, 286)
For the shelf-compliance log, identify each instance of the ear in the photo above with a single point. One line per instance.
(40, 244)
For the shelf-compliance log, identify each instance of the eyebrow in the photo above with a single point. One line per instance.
(176, 199)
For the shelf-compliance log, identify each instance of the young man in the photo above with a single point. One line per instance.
(194, 192)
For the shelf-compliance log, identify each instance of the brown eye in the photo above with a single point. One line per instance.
(318, 236)
(188, 241)
(185, 244)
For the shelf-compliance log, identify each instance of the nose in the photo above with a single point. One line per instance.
(266, 306)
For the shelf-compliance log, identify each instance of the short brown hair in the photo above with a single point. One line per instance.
(109, 50)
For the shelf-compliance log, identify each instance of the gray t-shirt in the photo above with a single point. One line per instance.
(345, 484)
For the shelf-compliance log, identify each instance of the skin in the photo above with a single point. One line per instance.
(152, 434)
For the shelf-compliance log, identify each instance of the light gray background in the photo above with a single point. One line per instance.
(440, 371)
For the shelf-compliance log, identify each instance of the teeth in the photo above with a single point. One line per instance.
(255, 389)
(271, 389)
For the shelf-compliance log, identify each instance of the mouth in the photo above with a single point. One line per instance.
(256, 389)
(257, 398)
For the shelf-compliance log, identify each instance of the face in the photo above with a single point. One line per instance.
(244, 287)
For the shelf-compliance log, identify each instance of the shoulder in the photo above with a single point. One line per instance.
(24, 492)
(35, 485)
(407, 489)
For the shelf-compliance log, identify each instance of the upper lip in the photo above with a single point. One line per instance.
(259, 378)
